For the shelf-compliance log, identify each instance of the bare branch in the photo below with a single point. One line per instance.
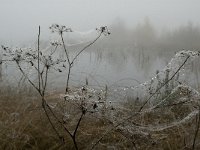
(65, 49)
(85, 48)
(38, 58)
(27, 77)
(197, 130)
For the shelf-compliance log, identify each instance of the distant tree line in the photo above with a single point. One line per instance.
(144, 36)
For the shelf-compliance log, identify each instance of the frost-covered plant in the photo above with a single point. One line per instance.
(41, 62)
(60, 29)
(38, 62)
(181, 96)
(128, 122)
(172, 75)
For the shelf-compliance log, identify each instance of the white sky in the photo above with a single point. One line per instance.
(19, 19)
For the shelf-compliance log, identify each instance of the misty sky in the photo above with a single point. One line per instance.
(20, 18)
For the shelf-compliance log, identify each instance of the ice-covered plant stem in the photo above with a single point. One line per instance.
(61, 30)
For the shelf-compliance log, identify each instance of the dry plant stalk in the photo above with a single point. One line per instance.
(42, 64)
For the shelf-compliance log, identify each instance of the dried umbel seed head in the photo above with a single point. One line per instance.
(103, 30)
(59, 28)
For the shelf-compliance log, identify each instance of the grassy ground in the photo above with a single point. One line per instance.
(24, 125)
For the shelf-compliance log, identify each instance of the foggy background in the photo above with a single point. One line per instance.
(20, 18)
(145, 34)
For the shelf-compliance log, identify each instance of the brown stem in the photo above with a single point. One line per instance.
(38, 58)
(70, 63)
(78, 124)
(65, 49)
(61, 123)
(54, 50)
(45, 80)
(85, 48)
(75, 131)
(44, 104)
(197, 130)
(68, 76)
(22, 71)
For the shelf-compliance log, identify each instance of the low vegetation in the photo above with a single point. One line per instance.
(163, 113)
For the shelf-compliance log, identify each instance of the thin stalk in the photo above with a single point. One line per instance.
(41, 94)
(78, 124)
(85, 48)
(75, 57)
(75, 131)
(65, 49)
(48, 117)
(22, 71)
(68, 60)
(54, 50)
(75, 144)
(38, 58)
(197, 130)
(68, 76)
(45, 82)
(59, 121)
(41, 76)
